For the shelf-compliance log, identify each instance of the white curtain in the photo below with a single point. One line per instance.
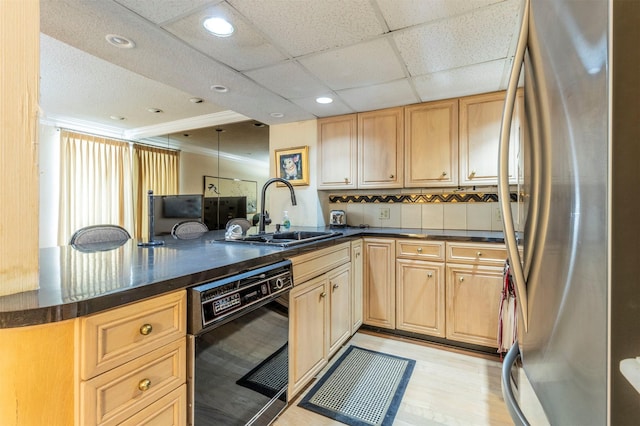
(95, 185)
(155, 169)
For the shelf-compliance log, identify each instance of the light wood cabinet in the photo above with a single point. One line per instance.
(339, 290)
(338, 152)
(319, 311)
(380, 148)
(130, 357)
(308, 345)
(379, 282)
(420, 287)
(479, 135)
(356, 285)
(474, 284)
(431, 144)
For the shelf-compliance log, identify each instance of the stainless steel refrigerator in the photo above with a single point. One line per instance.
(578, 282)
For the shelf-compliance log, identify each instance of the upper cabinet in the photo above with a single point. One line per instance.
(480, 119)
(380, 148)
(446, 143)
(338, 152)
(431, 144)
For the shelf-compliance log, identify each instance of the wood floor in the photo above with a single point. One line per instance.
(447, 387)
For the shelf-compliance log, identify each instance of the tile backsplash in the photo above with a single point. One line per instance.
(465, 211)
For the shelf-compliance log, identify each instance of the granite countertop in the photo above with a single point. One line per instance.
(76, 283)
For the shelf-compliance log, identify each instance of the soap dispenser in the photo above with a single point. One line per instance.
(286, 223)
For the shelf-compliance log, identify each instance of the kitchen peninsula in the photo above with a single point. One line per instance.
(43, 333)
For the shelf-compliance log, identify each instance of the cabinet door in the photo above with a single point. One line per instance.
(380, 148)
(420, 301)
(480, 118)
(356, 285)
(473, 301)
(339, 289)
(308, 346)
(337, 152)
(431, 144)
(379, 282)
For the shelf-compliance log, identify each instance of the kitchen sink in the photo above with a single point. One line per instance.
(287, 238)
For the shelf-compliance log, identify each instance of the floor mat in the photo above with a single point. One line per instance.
(270, 376)
(363, 387)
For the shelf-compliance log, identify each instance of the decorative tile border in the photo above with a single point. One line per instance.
(456, 197)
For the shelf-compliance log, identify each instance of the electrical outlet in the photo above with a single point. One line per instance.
(384, 213)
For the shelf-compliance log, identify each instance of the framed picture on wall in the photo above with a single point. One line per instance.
(292, 164)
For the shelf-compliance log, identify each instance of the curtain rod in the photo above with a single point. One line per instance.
(117, 139)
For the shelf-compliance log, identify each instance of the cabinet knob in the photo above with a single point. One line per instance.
(146, 329)
(479, 253)
(461, 279)
(391, 176)
(472, 174)
(323, 294)
(444, 173)
(419, 249)
(144, 384)
(335, 286)
(429, 274)
(346, 180)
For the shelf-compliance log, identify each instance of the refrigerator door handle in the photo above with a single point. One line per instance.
(503, 169)
(516, 413)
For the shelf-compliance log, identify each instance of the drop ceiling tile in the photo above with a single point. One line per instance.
(306, 26)
(359, 65)
(406, 13)
(244, 49)
(480, 78)
(288, 79)
(384, 95)
(337, 107)
(479, 36)
(159, 11)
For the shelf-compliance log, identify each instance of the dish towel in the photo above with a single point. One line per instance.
(507, 320)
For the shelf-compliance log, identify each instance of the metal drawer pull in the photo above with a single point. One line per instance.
(479, 253)
(144, 384)
(429, 275)
(146, 329)
(335, 286)
(323, 294)
(461, 279)
(419, 249)
(444, 173)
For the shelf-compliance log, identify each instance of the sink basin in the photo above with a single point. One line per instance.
(286, 239)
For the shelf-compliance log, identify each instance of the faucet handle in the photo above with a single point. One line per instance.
(277, 227)
(266, 219)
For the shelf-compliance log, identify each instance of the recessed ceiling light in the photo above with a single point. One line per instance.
(218, 27)
(120, 41)
(116, 117)
(219, 88)
(196, 100)
(277, 114)
(324, 100)
(154, 110)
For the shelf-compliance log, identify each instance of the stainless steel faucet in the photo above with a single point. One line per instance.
(261, 225)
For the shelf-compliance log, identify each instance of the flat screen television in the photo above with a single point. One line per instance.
(171, 209)
(219, 210)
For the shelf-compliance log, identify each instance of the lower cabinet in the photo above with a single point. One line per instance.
(420, 301)
(379, 282)
(131, 359)
(446, 290)
(473, 303)
(319, 314)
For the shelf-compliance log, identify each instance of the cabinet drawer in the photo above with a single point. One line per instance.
(416, 249)
(171, 409)
(479, 253)
(116, 395)
(310, 265)
(112, 338)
